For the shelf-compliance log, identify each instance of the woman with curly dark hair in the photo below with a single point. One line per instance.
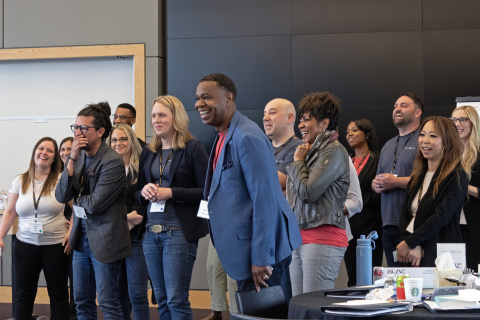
(317, 185)
(362, 138)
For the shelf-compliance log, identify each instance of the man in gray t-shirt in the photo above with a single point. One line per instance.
(278, 122)
(394, 169)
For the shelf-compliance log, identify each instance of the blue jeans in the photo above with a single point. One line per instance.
(391, 237)
(280, 275)
(89, 276)
(170, 258)
(134, 284)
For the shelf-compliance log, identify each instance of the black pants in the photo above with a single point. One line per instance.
(351, 258)
(30, 260)
(472, 250)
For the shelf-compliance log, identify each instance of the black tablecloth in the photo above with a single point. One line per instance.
(307, 306)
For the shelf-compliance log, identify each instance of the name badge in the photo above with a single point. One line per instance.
(79, 212)
(203, 210)
(36, 227)
(158, 206)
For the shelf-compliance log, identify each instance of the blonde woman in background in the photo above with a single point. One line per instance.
(467, 121)
(134, 277)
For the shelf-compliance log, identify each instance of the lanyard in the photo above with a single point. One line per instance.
(395, 157)
(163, 168)
(286, 142)
(361, 161)
(36, 201)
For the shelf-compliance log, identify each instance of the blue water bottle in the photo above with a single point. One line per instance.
(364, 258)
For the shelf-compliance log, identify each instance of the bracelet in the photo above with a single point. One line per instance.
(73, 159)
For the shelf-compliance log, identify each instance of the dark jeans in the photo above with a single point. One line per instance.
(170, 259)
(30, 260)
(391, 237)
(351, 258)
(280, 275)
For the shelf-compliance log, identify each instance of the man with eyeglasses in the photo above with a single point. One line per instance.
(94, 177)
(395, 167)
(127, 114)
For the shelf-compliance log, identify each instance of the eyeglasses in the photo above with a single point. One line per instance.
(121, 117)
(122, 139)
(461, 120)
(83, 128)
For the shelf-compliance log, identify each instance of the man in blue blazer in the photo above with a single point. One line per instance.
(252, 225)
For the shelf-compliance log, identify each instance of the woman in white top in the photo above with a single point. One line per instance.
(42, 236)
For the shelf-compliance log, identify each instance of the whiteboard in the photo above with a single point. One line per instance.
(41, 98)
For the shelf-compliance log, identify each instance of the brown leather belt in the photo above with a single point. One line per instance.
(160, 228)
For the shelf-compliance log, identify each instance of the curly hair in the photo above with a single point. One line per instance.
(321, 105)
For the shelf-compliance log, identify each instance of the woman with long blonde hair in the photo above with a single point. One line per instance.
(434, 195)
(467, 121)
(170, 187)
(134, 277)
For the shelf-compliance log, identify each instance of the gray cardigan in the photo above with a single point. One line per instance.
(317, 187)
(107, 227)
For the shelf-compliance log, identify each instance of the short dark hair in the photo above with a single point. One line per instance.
(101, 116)
(368, 129)
(416, 100)
(129, 107)
(321, 105)
(223, 81)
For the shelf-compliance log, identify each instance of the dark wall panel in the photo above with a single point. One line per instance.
(325, 16)
(451, 62)
(448, 14)
(366, 69)
(259, 66)
(216, 18)
(88, 22)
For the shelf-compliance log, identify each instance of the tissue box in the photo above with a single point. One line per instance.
(440, 275)
(425, 273)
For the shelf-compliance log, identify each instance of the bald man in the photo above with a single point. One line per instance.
(278, 123)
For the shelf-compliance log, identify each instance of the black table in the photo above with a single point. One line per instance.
(307, 306)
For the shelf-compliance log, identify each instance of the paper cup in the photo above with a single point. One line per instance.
(413, 289)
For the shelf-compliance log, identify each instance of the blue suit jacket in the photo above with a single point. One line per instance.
(251, 221)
